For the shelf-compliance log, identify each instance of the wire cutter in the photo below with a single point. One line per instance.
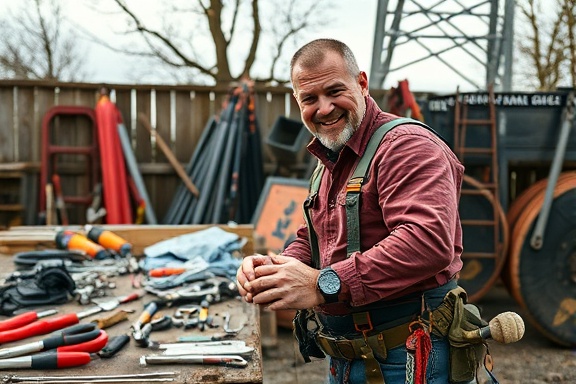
(68, 347)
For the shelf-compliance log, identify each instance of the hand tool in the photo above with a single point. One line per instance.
(95, 211)
(226, 327)
(128, 378)
(229, 347)
(108, 240)
(149, 310)
(59, 196)
(77, 338)
(47, 360)
(203, 316)
(115, 344)
(112, 241)
(24, 319)
(191, 267)
(199, 339)
(115, 318)
(52, 324)
(228, 360)
(157, 324)
(67, 239)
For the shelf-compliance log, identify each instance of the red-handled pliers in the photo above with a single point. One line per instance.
(77, 338)
(47, 360)
(24, 319)
(40, 327)
(69, 347)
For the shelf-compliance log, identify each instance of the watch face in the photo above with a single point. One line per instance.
(329, 282)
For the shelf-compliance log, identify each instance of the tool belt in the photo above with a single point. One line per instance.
(351, 349)
(450, 319)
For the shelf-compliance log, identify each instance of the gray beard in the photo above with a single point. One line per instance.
(341, 140)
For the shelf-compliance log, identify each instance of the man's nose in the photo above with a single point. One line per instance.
(325, 106)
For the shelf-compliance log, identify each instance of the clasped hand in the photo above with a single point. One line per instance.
(278, 282)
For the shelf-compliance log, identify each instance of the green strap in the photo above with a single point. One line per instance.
(308, 203)
(354, 187)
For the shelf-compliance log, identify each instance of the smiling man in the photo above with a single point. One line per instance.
(382, 247)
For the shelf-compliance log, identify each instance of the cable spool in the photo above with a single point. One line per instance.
(543, 281)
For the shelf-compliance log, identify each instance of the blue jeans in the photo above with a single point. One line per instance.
(394, 367)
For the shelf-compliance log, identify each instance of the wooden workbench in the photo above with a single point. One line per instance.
(127, 360)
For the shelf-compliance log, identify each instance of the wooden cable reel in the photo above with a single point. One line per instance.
(484, 250)
(543, 281)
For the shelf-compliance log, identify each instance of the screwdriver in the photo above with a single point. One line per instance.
(203, 316)
(74, 241)
(24, 318)
(110, 240)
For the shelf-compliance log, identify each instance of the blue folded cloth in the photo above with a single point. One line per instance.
(213, 244)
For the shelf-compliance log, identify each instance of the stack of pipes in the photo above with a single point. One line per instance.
(226, 167)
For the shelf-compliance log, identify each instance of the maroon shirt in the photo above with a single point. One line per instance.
(410, 232)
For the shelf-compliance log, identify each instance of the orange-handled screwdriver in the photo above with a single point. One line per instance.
(162, 272)
(74, 241)
(109, 240)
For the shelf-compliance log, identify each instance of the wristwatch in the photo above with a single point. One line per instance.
(329, 284)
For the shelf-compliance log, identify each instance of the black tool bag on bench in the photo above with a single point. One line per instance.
(48, 286)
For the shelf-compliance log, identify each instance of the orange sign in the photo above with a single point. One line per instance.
(279, 213)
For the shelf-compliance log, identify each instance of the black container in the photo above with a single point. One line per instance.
(287, 139)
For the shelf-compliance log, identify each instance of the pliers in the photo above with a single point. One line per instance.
(24, 319)
(68, 347)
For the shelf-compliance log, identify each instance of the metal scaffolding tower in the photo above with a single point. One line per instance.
(480, 31)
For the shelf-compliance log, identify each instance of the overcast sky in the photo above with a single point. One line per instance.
(353, 24)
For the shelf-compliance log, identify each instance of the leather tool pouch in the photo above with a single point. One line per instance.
(305, 329)
(50, 285)
(466, 354)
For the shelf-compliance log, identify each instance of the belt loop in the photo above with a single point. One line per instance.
(362, 322)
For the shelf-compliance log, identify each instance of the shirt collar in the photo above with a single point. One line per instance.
(373, 118)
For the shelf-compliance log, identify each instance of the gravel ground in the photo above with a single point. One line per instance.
(532, 360)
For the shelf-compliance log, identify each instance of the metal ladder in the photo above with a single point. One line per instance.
(488, 180)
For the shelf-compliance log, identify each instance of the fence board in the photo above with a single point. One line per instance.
(142, 136)
(27, 140)
(190, 107)
(7, 137)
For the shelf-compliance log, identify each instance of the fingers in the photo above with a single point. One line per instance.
(246, 273)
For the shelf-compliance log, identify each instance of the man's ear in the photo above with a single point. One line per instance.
(363, 82)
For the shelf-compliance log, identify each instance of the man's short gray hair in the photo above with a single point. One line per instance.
(312, 54)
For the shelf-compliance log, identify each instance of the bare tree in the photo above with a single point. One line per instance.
(218, 41)
(548, 45)
(38, 45)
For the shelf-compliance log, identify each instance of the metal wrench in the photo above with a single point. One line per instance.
(129, 378)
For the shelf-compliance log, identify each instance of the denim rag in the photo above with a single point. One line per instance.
(213, 244)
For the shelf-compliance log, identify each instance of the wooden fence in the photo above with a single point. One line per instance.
(177, 113)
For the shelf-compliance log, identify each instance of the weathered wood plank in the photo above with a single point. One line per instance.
(27, 238)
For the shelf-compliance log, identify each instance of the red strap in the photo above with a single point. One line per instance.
(420, 345)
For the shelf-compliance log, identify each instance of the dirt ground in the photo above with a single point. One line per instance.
(532, 360)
